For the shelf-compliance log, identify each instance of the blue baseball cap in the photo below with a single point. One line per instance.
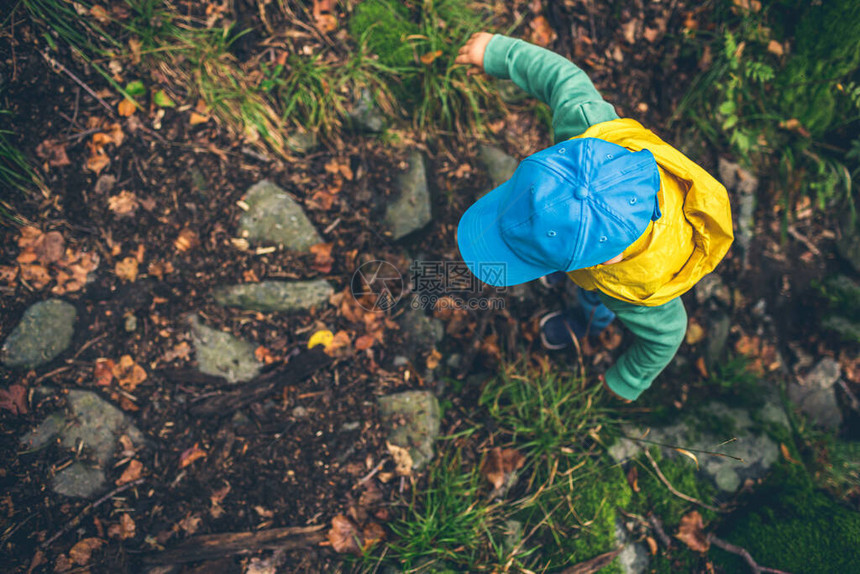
(570, 206)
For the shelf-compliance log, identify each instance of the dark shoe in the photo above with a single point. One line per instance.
(556, 330)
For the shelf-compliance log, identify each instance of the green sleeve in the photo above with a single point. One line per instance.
(659, 332)
(576, 104)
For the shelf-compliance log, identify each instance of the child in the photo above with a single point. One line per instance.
(632, 221)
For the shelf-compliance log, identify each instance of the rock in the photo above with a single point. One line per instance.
(634, 557)
(223, 355)
(300, 412)
(815, 394)
(92, 422)
(413, 419)
(711, 286)
(302, 142)
(274, 217)
(499, 165)
(366, 116)
(410, 209)
(744, 184)
(44, 332)
(273, 296)
(420, 332)
(758, 451)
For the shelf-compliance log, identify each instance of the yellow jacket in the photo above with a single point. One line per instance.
(684, 245)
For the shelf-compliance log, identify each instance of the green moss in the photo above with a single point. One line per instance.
(653, 496)
(789, 525)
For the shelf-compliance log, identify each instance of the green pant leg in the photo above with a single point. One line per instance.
(659, 332)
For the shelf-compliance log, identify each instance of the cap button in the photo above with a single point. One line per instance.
(580, 193)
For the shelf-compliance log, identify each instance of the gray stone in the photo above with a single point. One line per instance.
(44, 332)
(409, 211)
(93, 423)
(302, 142)
(223, 355)
(815, 394)
(744, 184)
(79, 480)
(273, 217)
(711, 286)
(634, 558)
(824, 375)
(499, 165)
(413, 419)
(757, 451)
(300, 412)
(513, 534)
(366, 116)
(420, 332)
(273, 296)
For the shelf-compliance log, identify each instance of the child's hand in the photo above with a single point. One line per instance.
(472, 53)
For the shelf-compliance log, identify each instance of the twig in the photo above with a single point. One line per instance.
(854, 403)
(89, 508)
(803, 239)
(658, 530)
(674, 447)
(675, 492)
(372, 473)
(474, 346)
(743, 553)
(58, 66)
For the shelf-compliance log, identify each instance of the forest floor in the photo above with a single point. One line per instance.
(141, 226)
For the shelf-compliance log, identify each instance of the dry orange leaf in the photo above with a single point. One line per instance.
(432, 359)
(131, 473)
(344, 535)
(100, 14)
(787, 455)
(127, 269)
(690, 532)
(695, 332)
(339, 342)
(373, 534)
(128, 373)
(190, 455)
(500, 464)
(197, 119)
(264, 355)
(186, 240)
(126, 108)
(125, 203)
(430, 57)
(324, 15)
(542, 33)
(364, 342)
(103, 372)
(82, 552)
(124, 530)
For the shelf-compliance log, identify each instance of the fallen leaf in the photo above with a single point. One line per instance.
(689, 455)
(8, 274)
(430, 57)
(82, 552)
(62, 564)
(339, 342)
(322, 257)
(629, 30)
(128, 373)
(633, 478)
(611, 337)
(322, 337)
(187, 239)
(787, 455)
(197, 119)
(126, 269)
(100, 14)
(542, 33)
(159, 269)
(190, 524)
(131, 473)
(125, 529)
(364, 342)
(500, 464)
(264, 355)
(190, 455)
(402, 459)
(14, 399)
(126, 108)
(373, 534)
(652, 545)
(702, 367)
(324, 15)
(35, 275)
(695, 332)
(54, 152)
(775, 47)
(162, 100)
(103, 372)
(123, 204)
(690, 532)
(432, 359)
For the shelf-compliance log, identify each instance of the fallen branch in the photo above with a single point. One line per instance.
(671, 488)
(658, 530)
(743, 553)
(211, 546)
(89, 508)
(299, 368)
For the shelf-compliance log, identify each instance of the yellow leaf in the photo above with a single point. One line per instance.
(433, 359)
(126, 107)
(695, 332)
(198, 119)
(430, 57)
(127, 269)
(322, 337)
(689, 454)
